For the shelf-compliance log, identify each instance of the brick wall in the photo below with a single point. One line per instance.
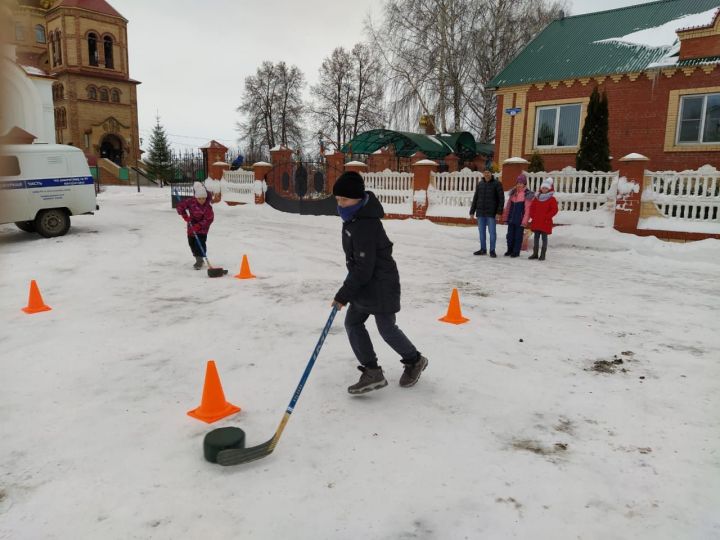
(638, 116)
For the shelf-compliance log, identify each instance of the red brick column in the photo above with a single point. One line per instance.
(356, 166)
(417, 156)
(335, 167)
(281, 159)
(215, 172)
(511, 169)
(453, 162)
(631, 173)
(421, 182)
(261, 168)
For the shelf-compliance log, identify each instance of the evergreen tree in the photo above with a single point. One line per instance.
(536, 163)
(159, 162)
(594, 151)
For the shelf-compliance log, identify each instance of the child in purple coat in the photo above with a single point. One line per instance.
(198, 213)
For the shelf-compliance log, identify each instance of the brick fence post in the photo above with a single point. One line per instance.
(452, 162)
(356, 166)
(281, 159)
(631, 173)
(511, 169)
(261, 168)
(335, 166)
(215, 172)
(422, 170)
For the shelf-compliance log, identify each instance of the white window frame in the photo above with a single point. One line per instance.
(703, 117)
(557, 125)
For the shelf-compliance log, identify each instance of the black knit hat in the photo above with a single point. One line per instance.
(350, 184)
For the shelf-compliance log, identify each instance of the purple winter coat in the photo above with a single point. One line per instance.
(200, 214)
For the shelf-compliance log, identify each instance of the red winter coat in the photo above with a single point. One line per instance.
(200, 214)
(542, 212)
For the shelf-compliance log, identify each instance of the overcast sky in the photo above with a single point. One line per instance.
(192, 57)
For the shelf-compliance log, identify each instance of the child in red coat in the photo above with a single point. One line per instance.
(542, 210)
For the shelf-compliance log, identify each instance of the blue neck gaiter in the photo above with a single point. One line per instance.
(347, 213)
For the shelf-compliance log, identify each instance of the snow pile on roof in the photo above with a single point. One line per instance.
(664, 35)
(32, 70)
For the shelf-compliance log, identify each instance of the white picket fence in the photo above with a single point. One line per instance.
(450, 193)
(238, 186)
(393, 189)
(687, 195)
(578, 191)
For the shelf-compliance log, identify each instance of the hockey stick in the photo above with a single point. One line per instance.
(236, 456)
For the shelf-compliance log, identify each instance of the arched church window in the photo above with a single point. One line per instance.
(108, 50)
(59, 46)
(103, 94)
(40, 33)
(92, 49)
(115, 95)
(92, 92)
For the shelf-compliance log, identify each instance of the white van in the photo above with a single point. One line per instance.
(42, 185)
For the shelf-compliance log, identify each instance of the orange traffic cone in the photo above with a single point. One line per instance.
(454, 314)
(35, 301)
(213, 406)
(245, 270)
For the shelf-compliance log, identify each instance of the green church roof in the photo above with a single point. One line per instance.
(573, 47)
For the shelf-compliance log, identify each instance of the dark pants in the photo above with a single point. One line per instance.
(194, 245)
(536, 241)
(389, 331)
(514, 238)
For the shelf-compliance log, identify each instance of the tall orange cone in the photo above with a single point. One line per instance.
(454, 314)
(245, 269)
(35, 301)
(213, 405)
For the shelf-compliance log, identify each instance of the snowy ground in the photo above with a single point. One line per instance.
(514, 430)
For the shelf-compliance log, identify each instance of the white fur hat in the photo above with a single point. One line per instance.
(547, 183)
(200, 191)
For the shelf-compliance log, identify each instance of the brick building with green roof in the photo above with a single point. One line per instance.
(658, 63)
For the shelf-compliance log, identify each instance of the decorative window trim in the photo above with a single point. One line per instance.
(532, 118)
(673, 119)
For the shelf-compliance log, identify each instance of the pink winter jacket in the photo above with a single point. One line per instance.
(201, 215)
(517, 197)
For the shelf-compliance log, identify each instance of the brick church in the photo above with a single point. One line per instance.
(82, 45)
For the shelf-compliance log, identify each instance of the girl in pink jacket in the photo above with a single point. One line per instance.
(516, 215)
(198, 213)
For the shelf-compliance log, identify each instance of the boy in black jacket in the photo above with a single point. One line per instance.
(487, 205)
(372, 286)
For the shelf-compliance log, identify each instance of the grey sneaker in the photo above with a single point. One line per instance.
(412, 372)
(371, 379)
(198, 263)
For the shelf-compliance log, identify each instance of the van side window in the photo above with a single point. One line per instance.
(9, 166)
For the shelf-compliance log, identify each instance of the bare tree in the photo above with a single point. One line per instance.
(441, 53)
(348, 96)
(272, 106)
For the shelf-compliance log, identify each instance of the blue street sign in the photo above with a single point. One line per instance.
(513, 111)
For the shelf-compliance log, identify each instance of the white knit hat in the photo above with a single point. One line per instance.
(547, 183)
(200, 191)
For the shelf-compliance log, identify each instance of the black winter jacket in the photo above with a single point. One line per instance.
(489, 198)
(373, 282)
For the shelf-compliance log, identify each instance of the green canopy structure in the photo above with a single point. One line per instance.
(406, 144)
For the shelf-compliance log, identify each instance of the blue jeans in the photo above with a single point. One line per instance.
(489, 223)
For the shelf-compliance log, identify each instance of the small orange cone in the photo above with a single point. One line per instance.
(454, 314)
(213, 405)
(35, 301)
(245, 270)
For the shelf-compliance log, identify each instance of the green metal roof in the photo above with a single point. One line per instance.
(567, 48)
(699, 61)
(406, 144)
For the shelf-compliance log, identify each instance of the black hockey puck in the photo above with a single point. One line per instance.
(222, 439)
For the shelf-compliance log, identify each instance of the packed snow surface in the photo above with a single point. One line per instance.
(580, 401)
